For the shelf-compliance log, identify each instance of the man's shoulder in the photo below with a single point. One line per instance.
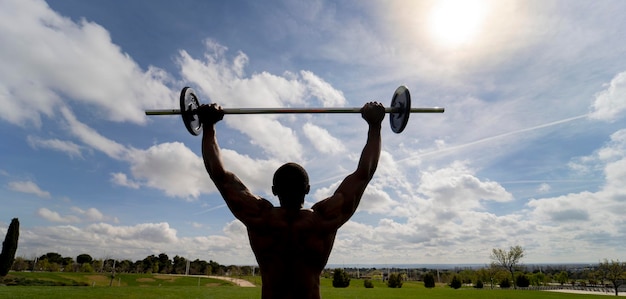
(266, 203)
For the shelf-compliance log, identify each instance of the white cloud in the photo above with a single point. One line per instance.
(61, 60)
(91, 214)
(563, 208)
(75, 215)
(374, 200)
(149, 232)
(224, 82)
(53, 216)
(123, 180)
(610, 104)
(256, 174)
(444, 208)
(544, 187)
(28, 187)
(322, 140)
(456, 186)
(328, 95)
(137, 241)
(271, 136)
(91, 137)
(590, 218)
(172, 168)
(68, 147)
(426, 237)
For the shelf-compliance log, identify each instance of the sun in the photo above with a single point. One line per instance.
(456, 22)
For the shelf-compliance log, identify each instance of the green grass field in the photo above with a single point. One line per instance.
(163, 286)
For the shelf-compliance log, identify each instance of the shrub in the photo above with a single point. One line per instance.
(368, 284)
(522, 281)
(395, 280)
(86, 268)
(429, 280)
(505, 284)
(456, 282)
(479, 284)
(340, 279)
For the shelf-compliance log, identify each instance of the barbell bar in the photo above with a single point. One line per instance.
(296, 110)
(399, 111)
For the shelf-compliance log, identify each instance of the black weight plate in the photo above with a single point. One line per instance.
(188, 105)
(401, 99)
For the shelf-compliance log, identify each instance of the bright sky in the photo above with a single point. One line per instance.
(531, 149)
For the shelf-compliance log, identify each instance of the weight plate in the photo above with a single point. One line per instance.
(188, 105)
(401, 99)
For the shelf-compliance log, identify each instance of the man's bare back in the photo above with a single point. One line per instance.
(292, 244)
(292, 249)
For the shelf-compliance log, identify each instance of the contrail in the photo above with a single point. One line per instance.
(548, 181)
(210, 209)
(460, 146)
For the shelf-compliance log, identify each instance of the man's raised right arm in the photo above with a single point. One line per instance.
(242, 203)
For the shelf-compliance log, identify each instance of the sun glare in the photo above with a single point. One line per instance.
(456, 22)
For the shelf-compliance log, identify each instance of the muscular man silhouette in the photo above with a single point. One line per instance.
(291, 244)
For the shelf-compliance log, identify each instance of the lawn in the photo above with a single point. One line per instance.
(164, 286)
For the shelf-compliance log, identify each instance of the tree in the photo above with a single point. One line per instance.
(340, 279)
(537, 279)
(84, 258)
(97, 265)
(562, 277)
(164, 263)
(124, 266)
(21, 264)
(429, 280)
(395, 280)
(150, 264)
(613, 271)
(9, 246)
(456, 282)
(179, 265)
(491, 272)
(52, 257)
(508, 260)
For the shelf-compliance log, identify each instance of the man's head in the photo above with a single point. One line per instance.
(291, 184)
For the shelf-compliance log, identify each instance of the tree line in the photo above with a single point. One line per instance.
(152, 264)
(505, 271)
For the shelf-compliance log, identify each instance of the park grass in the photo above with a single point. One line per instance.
(164, 286)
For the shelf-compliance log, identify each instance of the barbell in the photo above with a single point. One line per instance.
(399, 111)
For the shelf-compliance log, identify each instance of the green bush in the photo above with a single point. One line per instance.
(395, 280)
(429, 280)
(479, 284)
(456, 282)
(341, 279)
(86, 268)
(522, 281)
(368, 284)
(505, 284)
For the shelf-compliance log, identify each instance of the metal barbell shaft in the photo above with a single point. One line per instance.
(297, 110)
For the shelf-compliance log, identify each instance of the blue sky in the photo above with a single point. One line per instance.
(530, 150)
